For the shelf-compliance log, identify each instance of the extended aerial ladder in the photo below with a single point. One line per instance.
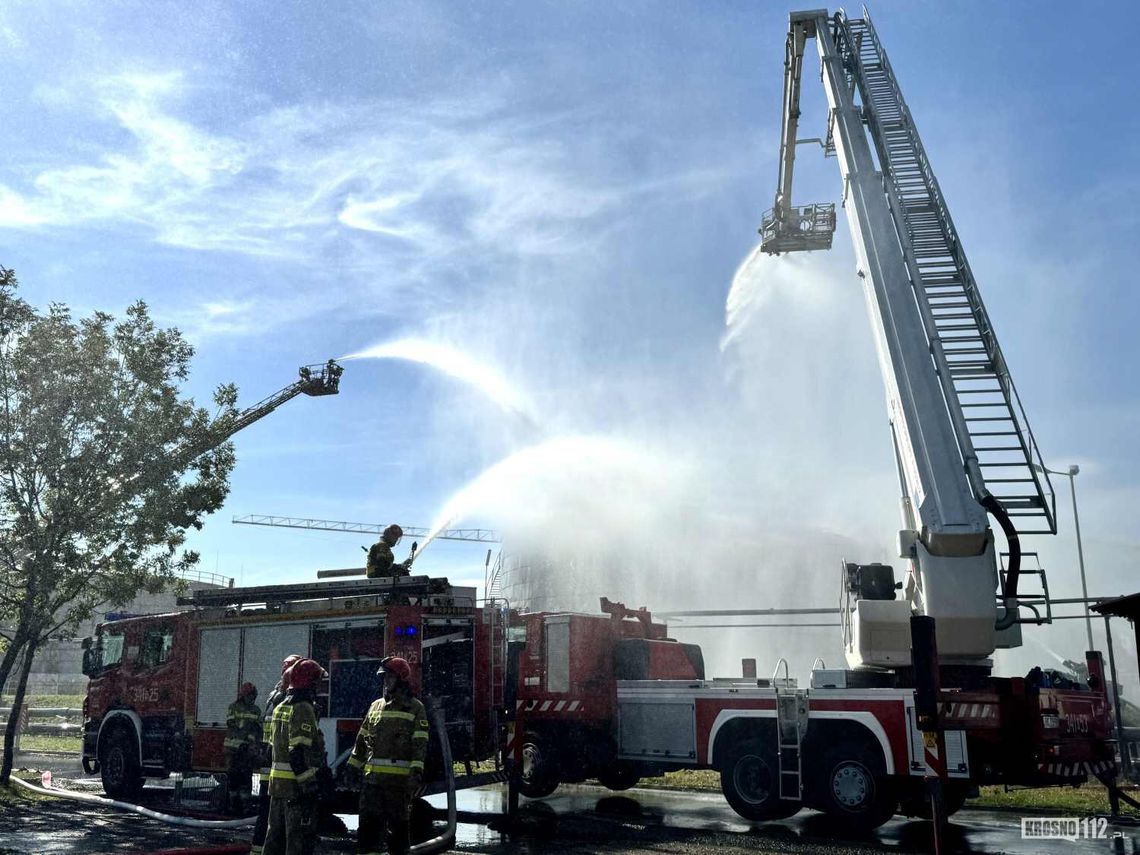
(961, 439)
(314, 380)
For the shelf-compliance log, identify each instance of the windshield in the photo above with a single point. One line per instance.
(106, 652)
(157, 644)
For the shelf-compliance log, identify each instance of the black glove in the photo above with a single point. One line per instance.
(297, 759)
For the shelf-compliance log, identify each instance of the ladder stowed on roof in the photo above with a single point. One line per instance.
(403, 586)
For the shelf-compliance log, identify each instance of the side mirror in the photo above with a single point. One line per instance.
(90, 659)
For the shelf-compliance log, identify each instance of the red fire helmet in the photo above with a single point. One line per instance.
(397, 666)
(304, 674)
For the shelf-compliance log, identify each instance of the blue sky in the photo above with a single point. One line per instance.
(564, 191)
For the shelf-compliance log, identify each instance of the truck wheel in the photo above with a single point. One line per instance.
(751, 783)
(855, 789)
(619, 776)
(539, 777)
(119, 766)
(954, 795)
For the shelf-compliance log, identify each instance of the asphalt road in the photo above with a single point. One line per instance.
(576, 819)
(58, 828)
(971, 831)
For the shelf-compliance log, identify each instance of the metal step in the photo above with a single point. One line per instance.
(943, 283)
(791, 724)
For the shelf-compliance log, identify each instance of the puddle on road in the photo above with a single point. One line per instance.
(974, 831)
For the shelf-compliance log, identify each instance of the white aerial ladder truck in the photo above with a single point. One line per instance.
(963, 446)
(916, 722)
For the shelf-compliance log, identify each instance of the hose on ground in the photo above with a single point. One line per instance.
(142, 811)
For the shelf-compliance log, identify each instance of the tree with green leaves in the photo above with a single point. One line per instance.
(104, 467)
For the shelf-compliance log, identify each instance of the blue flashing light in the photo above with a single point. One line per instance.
(411, 630)
(399, 630)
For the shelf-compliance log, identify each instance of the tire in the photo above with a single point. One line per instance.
(619, 776)
(854, 789)
(119, 766)
(954, 796)
(538, 777)
(750, 782)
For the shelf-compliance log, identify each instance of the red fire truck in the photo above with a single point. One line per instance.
(605, 696)
(160, 684)
(610, 697)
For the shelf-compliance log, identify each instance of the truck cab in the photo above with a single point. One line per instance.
(133, 722)
(160, 685)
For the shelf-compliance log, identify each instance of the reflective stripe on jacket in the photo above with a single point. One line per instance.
(393, 739)
(294, 724)
(380, 560)
(271, 703)
(243, 724)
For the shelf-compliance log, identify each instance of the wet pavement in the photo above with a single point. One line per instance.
(70, 828)
(582, 819)
(974, 831)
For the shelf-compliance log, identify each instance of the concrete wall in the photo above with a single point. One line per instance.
(57, 669)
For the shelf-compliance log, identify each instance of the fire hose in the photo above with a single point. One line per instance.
(1013, 572)
(444, 841)
(439, 843)
(170, 819)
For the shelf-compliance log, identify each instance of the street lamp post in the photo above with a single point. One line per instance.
(1074, 470)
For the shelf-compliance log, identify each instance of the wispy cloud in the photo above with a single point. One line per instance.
(435, 181)
(382, 197)
(255, 314)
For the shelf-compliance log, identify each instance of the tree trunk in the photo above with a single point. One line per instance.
(10, 655)
(14, 714)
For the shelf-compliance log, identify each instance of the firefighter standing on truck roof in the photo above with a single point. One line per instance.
(243, 733)
(389, 751)
(275, 698)
(381, 561)
(298, 754)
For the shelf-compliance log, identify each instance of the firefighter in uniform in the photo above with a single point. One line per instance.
(389, 753)
(381, 561)
(243, 734)
(275, 698)
(298, 754)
